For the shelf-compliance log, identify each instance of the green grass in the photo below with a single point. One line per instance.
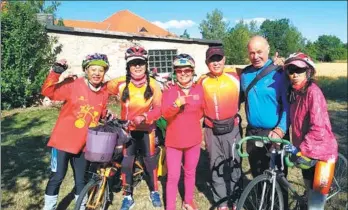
(25, 158)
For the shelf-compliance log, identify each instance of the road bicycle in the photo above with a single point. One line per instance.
(265, 191)
(97, 192)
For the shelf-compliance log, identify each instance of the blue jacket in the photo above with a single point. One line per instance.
(267, 106)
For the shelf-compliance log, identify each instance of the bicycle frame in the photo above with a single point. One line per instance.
(276, 175)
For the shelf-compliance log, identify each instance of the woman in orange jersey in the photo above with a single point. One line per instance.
(141, 103)
(85, 102)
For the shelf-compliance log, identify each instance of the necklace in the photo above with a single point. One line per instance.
(185, 87)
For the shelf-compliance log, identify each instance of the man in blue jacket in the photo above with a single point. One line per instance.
(266, 104)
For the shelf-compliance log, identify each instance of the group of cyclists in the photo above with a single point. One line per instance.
(274, 95)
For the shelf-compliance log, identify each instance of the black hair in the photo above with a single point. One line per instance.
(148, 92)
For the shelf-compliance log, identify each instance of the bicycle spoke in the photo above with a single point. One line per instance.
(260, 197)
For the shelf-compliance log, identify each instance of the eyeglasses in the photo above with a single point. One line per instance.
(185, 71)
(292, 69)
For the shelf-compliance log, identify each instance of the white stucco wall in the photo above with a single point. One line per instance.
(76, 46)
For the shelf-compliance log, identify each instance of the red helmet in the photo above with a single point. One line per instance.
(299, 59)
(136, 53)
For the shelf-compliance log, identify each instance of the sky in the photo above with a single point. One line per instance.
(311, 18)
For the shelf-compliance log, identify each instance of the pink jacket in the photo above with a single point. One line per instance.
(184, 128)
(311, 127)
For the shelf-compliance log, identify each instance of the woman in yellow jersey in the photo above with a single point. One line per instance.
(141, 103)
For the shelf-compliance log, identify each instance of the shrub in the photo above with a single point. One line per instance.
(27, 52)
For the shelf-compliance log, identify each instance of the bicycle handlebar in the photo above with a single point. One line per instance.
(266, 140)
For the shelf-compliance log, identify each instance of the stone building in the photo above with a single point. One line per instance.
(119, 32)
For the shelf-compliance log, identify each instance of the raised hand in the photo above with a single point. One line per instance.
(60, 66)
(278, 60)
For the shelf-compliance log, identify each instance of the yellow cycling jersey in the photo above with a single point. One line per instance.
(137, 105)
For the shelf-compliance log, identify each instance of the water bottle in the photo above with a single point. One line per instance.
(323, 175)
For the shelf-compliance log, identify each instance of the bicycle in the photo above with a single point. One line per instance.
(97, 194)
(265, 190)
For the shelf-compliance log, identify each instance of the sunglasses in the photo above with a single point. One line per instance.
(137, 62)
(215, 58)
(292, 69)
(185, 71)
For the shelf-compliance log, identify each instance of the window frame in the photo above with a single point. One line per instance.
(162, 59)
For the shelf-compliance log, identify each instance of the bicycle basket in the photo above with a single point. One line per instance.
(100, 146)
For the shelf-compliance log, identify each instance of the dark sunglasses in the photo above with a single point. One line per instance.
(291, 69)
(183, 56)
(215, 58)
(137, 62)
(186, 71)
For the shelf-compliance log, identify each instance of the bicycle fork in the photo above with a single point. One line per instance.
(263, 195)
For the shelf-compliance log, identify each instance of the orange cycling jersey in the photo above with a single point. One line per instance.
(221, 95)
(136, 104)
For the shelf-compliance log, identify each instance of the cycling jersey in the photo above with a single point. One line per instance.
(184, 127)
(82, 109)
(221, 95)
(137, 105)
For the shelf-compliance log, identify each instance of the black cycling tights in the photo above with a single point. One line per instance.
(59, 167)
(144, 141)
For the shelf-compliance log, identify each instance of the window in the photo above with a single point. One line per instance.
(162, 60)
(143, 30)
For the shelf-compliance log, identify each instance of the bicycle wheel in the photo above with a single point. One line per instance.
(337, 198)
(252, 198)
(94, 195)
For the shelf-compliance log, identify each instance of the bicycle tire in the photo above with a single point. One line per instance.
(337, 198)
(243, 203)
(93, 184)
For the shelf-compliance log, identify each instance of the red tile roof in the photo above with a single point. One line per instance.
(122, 21)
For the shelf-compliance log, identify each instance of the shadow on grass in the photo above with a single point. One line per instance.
(23, 159)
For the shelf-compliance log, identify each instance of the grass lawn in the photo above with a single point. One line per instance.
(25, 160)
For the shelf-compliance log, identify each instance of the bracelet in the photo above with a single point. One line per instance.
(278, 128)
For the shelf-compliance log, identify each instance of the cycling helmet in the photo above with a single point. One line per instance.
(136, 53)
(96, 59)
(182, 60)
(300, 60)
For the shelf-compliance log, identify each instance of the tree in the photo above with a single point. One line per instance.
(282, 36)
(331, 48)
(27, 53)
(213, 27)
(235, 44)
(311, 50)
(185, 34)
(60, 22)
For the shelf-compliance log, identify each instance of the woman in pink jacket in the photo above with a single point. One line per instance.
(311, 127)
(182, 107)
